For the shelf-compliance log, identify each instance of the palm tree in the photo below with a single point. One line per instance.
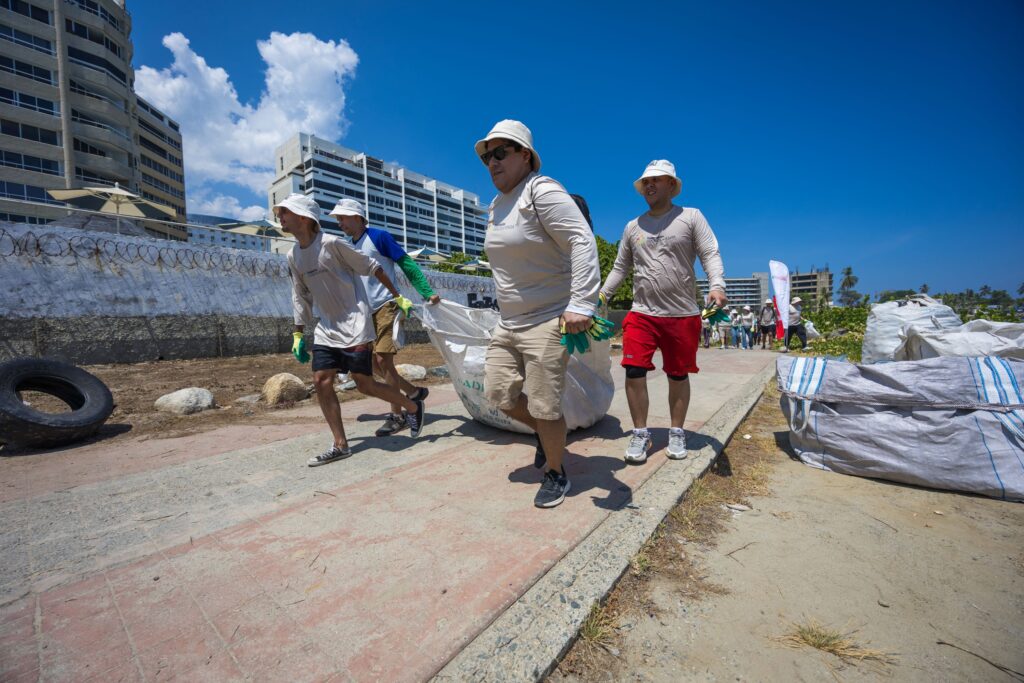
(849, 279)
(1020, 290)
(985, 291)
(924, 288)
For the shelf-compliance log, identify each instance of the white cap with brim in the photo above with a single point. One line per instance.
(767, 301)
(797, 300)
(301, 205)
(349, 207)
(656, 168)
(514, 131)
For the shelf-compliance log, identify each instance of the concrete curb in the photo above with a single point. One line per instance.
(526, 641)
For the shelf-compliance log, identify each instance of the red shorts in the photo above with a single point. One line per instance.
(675, 337)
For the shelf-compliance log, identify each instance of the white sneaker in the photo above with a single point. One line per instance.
(639, 444)
(676, 445)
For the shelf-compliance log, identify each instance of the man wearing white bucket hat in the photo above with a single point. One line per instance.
(380, 246)
(544, 259)
(660, 247)
(796, 324)
(766, 321)
(325, 272)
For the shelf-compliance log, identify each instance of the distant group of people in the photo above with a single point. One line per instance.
(745, 329)
(543, 256)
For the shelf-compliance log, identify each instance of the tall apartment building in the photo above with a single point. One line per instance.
(69, 115)
(742, 291)
(419, 211)
(752, 290)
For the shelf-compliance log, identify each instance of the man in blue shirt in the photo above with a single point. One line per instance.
(380, 246)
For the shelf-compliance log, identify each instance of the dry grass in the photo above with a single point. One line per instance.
(598, 629)
(811, 633)
(740, 472)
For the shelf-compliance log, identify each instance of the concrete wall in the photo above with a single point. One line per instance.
(88, 297)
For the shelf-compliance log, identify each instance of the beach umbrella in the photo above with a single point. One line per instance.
(428, 254)
(475, 265)
(115, 200)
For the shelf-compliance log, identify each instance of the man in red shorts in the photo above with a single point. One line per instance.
(660, 247)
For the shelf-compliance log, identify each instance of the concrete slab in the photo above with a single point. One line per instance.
(221, 556)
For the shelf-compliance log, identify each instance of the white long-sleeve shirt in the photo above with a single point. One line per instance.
(660, 250)
(542, 253)
(325, 275)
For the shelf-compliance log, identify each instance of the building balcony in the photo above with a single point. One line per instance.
(88, 74)
(99, 133)
(105, 166)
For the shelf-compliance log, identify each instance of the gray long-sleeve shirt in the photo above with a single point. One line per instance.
(661, 251)
(325, 275)
(542, 253)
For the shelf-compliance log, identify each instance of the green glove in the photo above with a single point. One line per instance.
(404, 305)
(299, 347)
(601, 329)
(575, 341)
(714, 315)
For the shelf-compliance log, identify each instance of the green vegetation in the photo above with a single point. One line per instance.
(606, 253)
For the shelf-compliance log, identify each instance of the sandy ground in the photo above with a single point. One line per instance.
(136, 387)
(898, 568)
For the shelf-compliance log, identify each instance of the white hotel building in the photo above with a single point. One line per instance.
(419, 211)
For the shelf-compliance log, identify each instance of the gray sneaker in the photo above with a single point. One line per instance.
(393, 424)
(552, 491)
(636, 451)
(676, 445)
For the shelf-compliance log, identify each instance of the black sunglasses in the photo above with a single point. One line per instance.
(498, 153)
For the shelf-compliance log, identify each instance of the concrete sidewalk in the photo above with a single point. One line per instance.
(222, 556)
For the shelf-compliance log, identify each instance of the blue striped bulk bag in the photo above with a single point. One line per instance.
(953, 423)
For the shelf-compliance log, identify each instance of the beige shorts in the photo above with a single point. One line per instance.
(531, 361)
(383, 320)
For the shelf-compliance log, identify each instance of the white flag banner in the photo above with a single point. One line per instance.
(780, 285)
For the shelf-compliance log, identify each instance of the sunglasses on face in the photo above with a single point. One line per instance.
(498, 153)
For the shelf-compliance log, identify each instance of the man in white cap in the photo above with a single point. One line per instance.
(766, 320)
(659, 247)
(748, 318)
(544, 259)
(325, 272)
(796, 324)
(382, 248)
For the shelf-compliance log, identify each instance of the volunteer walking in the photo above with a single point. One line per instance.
(659, 247)
(325, 272)
(544, 259)
(380, 246)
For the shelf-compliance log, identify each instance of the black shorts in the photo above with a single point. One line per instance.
(358, 359)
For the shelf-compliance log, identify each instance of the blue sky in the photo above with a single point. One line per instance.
(882, 136)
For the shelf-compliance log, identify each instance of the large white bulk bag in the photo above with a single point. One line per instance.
(948, 423)
(976, 338)
(462, 334)
(886, 322)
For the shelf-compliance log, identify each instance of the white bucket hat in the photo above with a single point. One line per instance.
(768, 300)
(746, 308)
(515, 131)
(797, 300)
(301, 205)
(349, 207)
(656, 168)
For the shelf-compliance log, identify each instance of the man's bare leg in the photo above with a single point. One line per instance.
(550, 432)
(368, 386)
(638, 400)
(386, 363)
(678, 401)
(323, 381)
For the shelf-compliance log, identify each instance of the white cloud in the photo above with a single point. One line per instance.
(224, 205)
(229, 141)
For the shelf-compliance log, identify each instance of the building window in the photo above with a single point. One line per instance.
(29, 163)
(26, 70)
(27, 132)
(87, 148)
(20, 99)
(27, 9)
(91, 34)
(27, 192)
(77, 87)
(94, 7)
(25, 39)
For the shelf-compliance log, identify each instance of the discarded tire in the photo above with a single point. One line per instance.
(20, 425)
